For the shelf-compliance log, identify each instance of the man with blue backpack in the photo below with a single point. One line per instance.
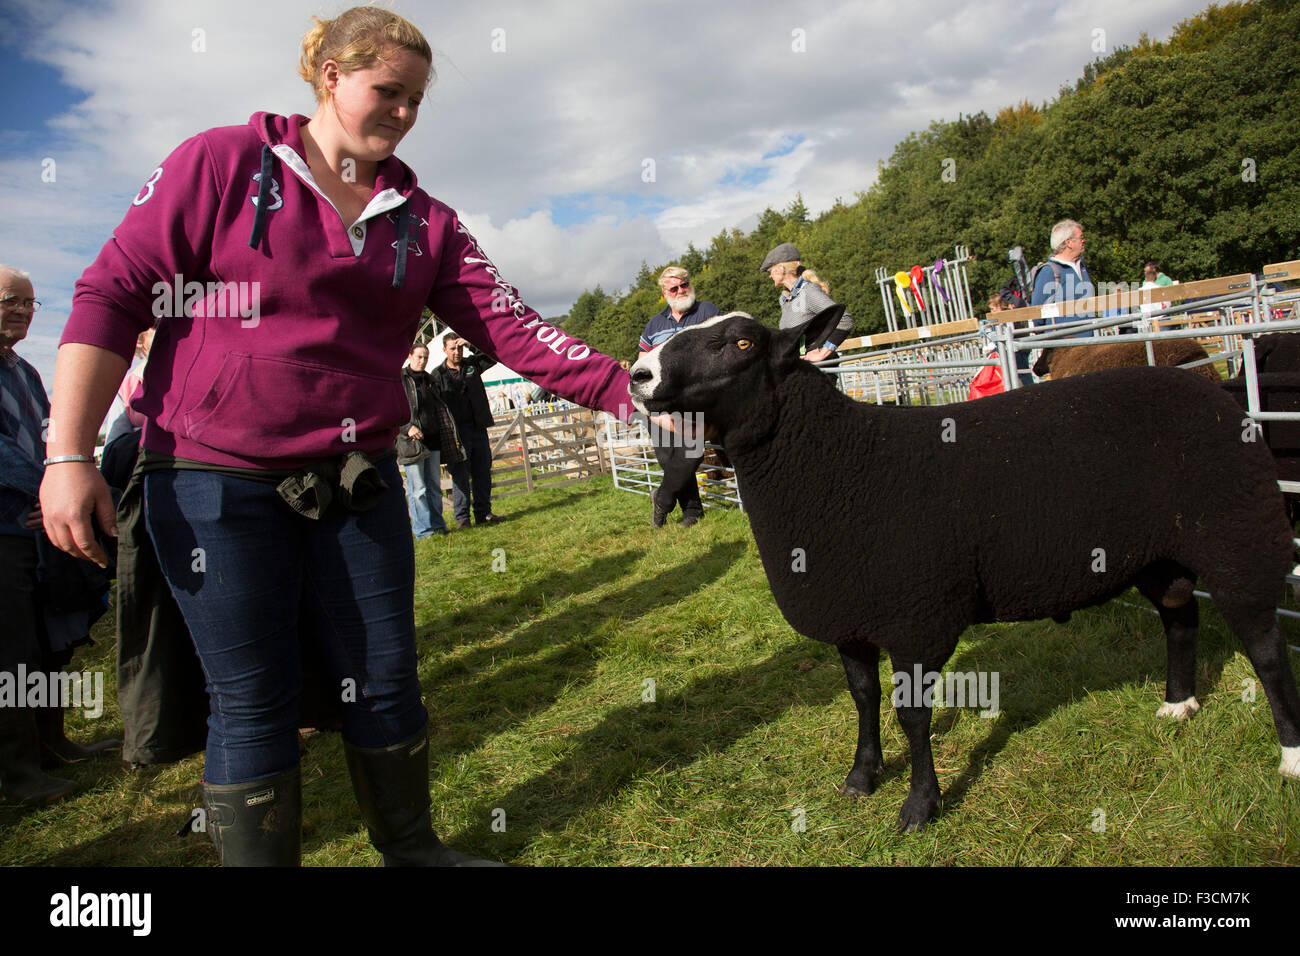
(1064, 276)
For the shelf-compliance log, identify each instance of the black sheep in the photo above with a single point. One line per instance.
(1277, 362)
(1278, 392)
(899, 528)
(1278, 352)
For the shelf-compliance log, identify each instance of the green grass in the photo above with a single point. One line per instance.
(534, 680)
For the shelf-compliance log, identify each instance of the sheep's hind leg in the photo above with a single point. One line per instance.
(862, 667)
(1169, 587)
(1258, 632)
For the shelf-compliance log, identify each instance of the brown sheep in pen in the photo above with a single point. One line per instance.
(1064, 362)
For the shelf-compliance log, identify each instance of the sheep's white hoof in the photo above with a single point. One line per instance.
(1180, 711)
(1290, 766)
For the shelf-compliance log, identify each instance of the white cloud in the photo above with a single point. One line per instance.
(547, 263)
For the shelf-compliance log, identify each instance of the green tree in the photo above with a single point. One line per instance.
(692, 260)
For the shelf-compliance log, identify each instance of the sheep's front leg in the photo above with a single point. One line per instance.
(924, 799)
(862, 667)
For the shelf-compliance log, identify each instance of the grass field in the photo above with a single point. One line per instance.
(536, 682)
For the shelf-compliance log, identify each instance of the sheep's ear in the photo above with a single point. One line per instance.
(816, 330)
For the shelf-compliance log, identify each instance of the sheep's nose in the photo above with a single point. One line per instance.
(640, 376)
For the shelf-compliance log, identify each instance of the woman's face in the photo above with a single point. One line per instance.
(376, 107)
(780, 277)
(419, 359)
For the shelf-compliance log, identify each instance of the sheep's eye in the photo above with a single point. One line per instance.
(743, 344)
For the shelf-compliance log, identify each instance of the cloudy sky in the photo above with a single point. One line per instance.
(544, 117)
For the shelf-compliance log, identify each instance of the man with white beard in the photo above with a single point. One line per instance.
(678, 455)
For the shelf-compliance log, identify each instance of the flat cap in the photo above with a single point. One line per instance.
(785, 252)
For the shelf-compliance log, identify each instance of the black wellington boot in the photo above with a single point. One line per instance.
(257, 823)
(392, 788)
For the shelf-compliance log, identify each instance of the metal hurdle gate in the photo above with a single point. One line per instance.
(635, 468)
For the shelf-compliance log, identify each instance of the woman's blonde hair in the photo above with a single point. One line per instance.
(356, 39)
(795, 269)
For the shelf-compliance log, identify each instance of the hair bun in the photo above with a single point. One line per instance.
(356, 39)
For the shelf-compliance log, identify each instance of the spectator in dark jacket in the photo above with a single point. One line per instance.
(34, 636)
(459, 383)
(419, 448)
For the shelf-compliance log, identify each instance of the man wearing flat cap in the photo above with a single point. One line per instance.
(678, 461)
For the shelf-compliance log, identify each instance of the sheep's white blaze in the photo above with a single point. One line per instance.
(1290, 762)
(1181, 710)
(649, 361)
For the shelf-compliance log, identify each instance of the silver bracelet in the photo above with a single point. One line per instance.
(61, 458)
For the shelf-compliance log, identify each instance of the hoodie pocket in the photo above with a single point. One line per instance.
(266, 408)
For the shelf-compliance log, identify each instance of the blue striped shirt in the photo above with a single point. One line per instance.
(24, 410)
(662, 327)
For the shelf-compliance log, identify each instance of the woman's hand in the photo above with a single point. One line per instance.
(818, 355)
(414, 432)
(85, 380)
(685, 425)
(70, 494)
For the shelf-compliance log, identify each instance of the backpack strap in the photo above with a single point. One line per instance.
(1056, 274)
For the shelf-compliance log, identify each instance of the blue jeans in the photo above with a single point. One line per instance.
(473, 476)
(250, 574)
(424, 497)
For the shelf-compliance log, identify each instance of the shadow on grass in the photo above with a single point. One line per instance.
(713, 713)
(492, 688)
(575, 496)
(707, 715)
(121, 846)
(1113, 657)
(463, 624)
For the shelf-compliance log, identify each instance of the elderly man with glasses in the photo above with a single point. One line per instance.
(1064, 277)
(24, 411)
(678, 454)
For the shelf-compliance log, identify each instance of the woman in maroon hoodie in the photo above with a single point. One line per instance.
(287, 263)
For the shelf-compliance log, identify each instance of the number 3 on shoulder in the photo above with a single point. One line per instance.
(147, 192)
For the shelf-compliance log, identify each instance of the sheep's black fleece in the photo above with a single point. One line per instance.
(916, 522)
